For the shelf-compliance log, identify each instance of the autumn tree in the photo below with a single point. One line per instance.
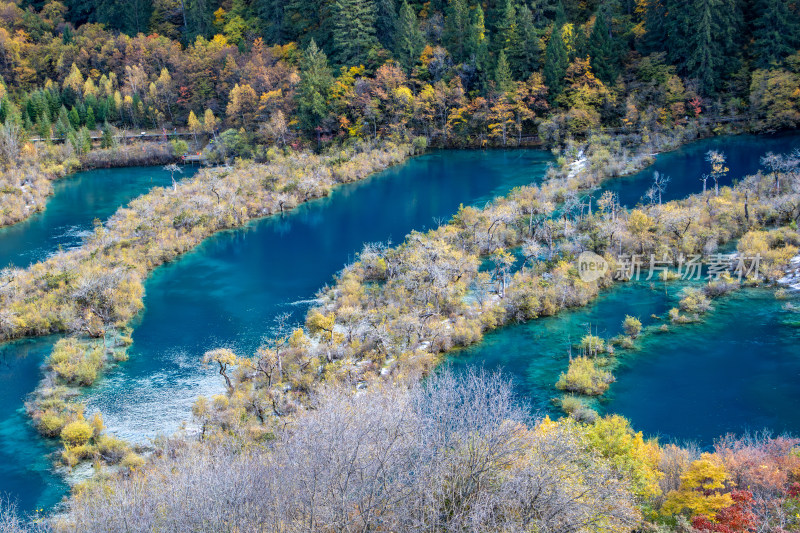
(701, 491)
(242, 106)
(223, 358)
(194, 126)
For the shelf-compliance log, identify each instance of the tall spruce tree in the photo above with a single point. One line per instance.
(386, 21)
(456, 28)
(354, 34)
(776, 32)
(505, 27)
(523, 56)
(603, 50)
(409, 40)
(502, 75)
(555, 58)
(271, 13)
(314, 88)
(711, 48)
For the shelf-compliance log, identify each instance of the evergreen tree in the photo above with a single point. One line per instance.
(44, 128)
(271, 13)
(91, 122)
(5, 106)
(74, 118)
(602, 50)
(711, 41)
(456, 30)
(107, 140)
(477, 45)
(505, 28)
(63, 124)
(524, 49)
(555, 59)
(315, 84)
(355, 31)
(776, 32)
(409, 40)
(502, 75)
(386, 22)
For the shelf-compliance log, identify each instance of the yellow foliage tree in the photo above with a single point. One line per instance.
(613, 438)
(700, 489)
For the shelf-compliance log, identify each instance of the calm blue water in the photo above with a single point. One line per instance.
(25, 471)
(739, 370)
(227, 292)
(77, 200)
(687, 164)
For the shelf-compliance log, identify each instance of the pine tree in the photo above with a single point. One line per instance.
(711, 38)
(271, 13)
(456, 30)
(476, 43)
(355, 31)
(555, 59)
(502, 75)
(315, 83)
(602, 50)
(776, 32)
(63, 124)
(107, 140)
(44, 128)
(409, 40)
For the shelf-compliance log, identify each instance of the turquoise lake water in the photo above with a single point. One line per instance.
(227, 292)
(76, 201)
(687, 164)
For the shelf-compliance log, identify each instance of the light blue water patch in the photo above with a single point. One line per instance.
(70, 212)
(686, 165)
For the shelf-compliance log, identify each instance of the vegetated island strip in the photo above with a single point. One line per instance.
(96, 289)
(391, 315)
(26, 177)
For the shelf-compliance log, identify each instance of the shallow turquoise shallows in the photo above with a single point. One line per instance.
(227, 292)
(738, 370)
(77, 201)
